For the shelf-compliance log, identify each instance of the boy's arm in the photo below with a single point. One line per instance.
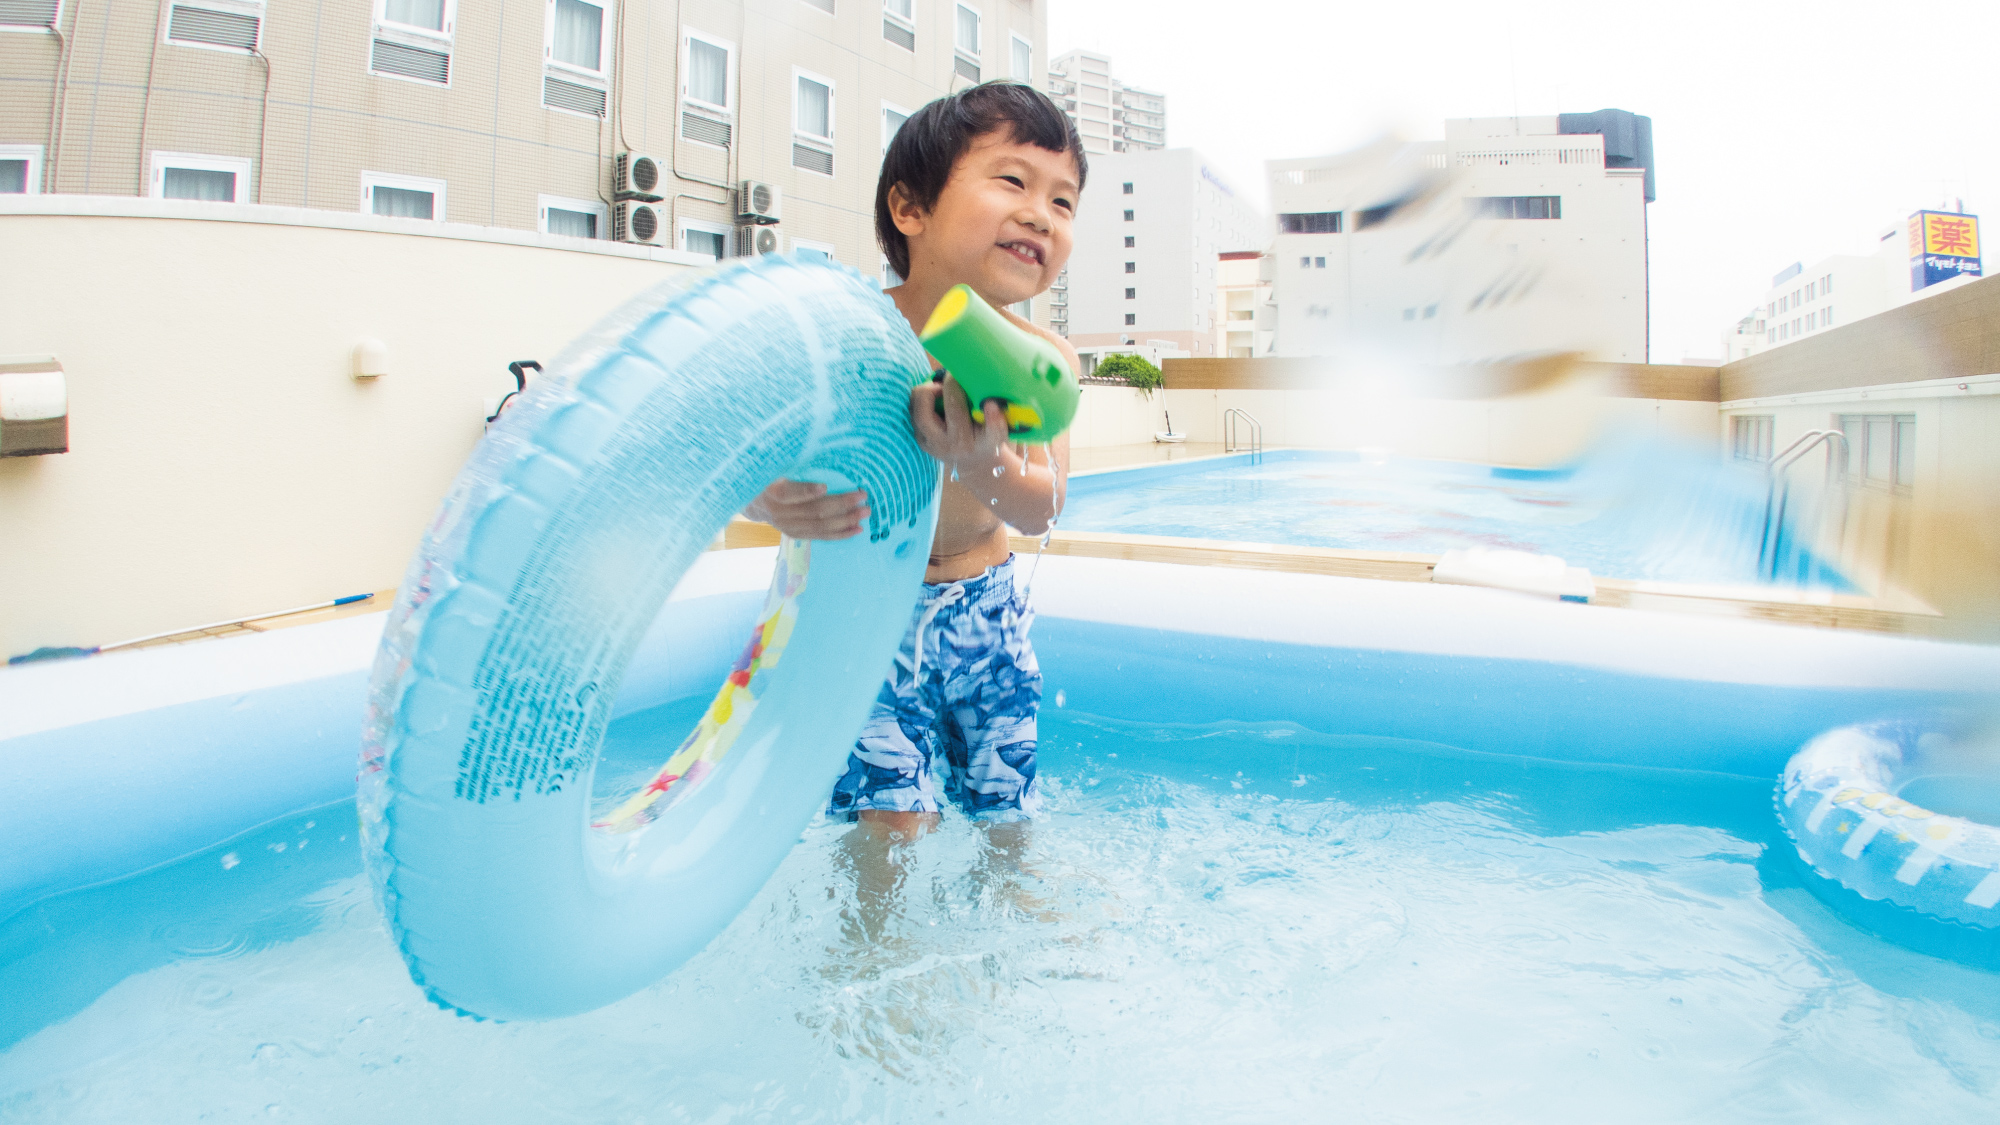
(1030, 484)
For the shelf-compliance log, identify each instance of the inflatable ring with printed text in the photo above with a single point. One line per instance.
(558, 543)
(1923, 877)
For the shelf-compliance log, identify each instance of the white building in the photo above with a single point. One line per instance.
(1511, 235)
(1841, 289)
(1111, 116)
(1148, 233)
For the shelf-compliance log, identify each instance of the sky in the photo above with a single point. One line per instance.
(1783, 131)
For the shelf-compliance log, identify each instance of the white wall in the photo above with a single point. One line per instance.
(1524, 430)
(222, 459)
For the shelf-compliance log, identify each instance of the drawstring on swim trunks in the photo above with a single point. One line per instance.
(950, 595)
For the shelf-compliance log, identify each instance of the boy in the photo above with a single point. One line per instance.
(979, 187)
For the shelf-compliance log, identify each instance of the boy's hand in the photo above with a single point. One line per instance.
(804, 511)
(955, 439)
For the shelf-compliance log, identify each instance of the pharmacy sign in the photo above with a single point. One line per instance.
(1943, 245)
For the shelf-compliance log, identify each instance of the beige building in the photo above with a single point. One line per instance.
(509, 113)
(1111, 116)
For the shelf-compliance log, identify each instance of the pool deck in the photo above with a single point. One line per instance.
(1802, 607)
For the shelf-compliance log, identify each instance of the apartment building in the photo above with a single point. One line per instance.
(1111, 116)
(585, 118)
(1928, 253)
(1511, 235)
(1242, 291)
(1149, 234)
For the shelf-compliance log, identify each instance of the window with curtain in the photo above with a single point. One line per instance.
(403, 203)
(575, 224)
(967, 38)
(891, 122)
(199, 183)
(814, 116)
(427, 14)
(1024, 60)
(707, 242)
(708, 72)
(13, 177)
(579, 35)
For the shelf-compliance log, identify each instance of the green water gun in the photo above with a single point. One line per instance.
(991, 358)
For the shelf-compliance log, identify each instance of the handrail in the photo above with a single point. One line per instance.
(1790, 455)
(1777, 496)
(1231, 442)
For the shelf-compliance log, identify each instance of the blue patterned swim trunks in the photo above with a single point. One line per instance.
(960, 700)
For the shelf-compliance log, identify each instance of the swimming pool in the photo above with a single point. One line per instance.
(1642, 509)
(1420, 853)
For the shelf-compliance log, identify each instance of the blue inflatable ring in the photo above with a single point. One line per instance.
(1901, 865)
(555, 549)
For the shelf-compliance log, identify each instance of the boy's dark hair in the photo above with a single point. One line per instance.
(929, 144)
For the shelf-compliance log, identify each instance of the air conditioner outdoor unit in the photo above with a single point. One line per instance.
(759, 202)
(753, 239)
(633, 221)
(637, 176)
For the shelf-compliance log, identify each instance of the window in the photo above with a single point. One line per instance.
(575, 218)
(698, 237)
(1305, 262)
(807, 249)
(413, 40)
(1319, 263)
(1131, 293)
(812, 122)
(1881, 449)
(1131, 267)
(1826, 316)
(1315, 222)
(1750, 437)
(707, 65)
(1128, 216)
(1128, 189)
(823, 5)
(229, 25)
(1023, 56)
(20, 169)
(1516, 206)
(1131, 318)
(893, 117)
(577, 37)
(812, 111)
(1826, 284)
(1130, 242)
(29, 15)
(402, 197)
(965, 33)
(212, 179)
(576, 50)
(1809, 291)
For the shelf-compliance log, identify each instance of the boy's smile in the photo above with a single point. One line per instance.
(1002, 224)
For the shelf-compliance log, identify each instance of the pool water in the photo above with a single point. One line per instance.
(1645, 509)
(1237, 922)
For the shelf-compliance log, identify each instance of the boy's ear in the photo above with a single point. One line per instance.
(908, 217)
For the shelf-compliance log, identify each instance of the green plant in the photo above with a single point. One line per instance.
(1131, 368)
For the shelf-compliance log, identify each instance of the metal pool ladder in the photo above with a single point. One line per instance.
(1235, 425)
(1778, 496)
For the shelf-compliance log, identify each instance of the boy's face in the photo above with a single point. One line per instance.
(1001, 224)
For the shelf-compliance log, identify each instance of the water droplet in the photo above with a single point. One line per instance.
(999, 470)
(278, 847)
(1061, 699)
(230, 861)
(954, 474)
